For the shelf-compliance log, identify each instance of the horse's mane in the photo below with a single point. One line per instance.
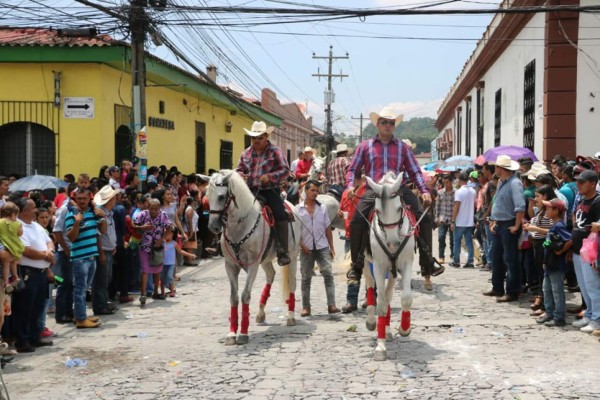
(388, 178)
(238, 186)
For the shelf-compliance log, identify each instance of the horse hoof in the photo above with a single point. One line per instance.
(260, 318)
(230, 341)
(291, 322)
(404, 333)
(242, 339)
(389, 337)
(371, 325)
(380, 356)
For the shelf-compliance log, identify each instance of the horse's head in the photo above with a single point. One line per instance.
(388, 206)
(317, 167)
(219, 198)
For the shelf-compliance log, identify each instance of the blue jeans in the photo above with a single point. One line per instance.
(490, 244)
(554, 294)
(443, 230)
(83, 271)
(352, 294)
(589, 284)
(166, 276)
(28, 306)
(467, 233)
(64, 292)
(307, 262)
(505, 258)
(100, 282)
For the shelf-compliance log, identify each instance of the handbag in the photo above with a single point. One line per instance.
(157, 256)
(589, 249)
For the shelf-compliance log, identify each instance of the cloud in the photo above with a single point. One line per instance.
(412, 109)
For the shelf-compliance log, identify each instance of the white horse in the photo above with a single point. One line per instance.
(246, 243)
(392, 244)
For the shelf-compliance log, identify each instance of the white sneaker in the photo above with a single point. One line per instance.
(591, 327)
(580, 323)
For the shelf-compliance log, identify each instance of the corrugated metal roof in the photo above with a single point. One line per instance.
(50, 37)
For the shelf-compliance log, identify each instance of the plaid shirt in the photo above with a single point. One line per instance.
(444, 206)
(270, 162)
(336, 172)
(378, 159)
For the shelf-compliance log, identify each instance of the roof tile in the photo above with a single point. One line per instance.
(49, 37)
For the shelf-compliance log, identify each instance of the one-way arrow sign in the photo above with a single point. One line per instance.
(78, 107)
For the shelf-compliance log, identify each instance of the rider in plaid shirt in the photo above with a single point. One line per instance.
(336, 172)
(264, 168)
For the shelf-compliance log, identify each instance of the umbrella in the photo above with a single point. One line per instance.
(37, 182)
(432, 166)
(514, 152)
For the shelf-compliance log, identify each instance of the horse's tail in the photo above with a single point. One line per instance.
(285, 282)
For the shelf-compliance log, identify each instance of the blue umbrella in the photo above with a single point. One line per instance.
(37, 182)
(457, 162)
(432, 166)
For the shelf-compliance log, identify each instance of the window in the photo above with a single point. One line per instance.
(226, 155)
(468, 128)
(458, 130)
(498, 118)
(27, 149)
(529, 106)
(480, 124)
(200, 147)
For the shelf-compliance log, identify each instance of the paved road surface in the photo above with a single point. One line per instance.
(463, 345)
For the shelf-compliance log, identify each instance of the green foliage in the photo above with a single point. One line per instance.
(421, 131)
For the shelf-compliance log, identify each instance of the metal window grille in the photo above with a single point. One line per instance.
(529, 106)
(498, 118)
(458, 131)
(226, 154)
(468, 129)
(480, 124)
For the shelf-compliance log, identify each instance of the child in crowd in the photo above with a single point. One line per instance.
(558, 243)
(10, 230)
(171, 248)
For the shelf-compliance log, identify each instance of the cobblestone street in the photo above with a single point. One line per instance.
(463, 345)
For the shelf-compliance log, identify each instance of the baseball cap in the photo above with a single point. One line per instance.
(113, 169)
(556, 203)
(588, 176)
(474, 174)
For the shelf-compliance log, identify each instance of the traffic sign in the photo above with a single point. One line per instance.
(78, 107)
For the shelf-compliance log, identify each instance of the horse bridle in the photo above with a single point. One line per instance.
(230, 197)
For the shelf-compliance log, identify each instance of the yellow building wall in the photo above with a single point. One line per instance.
(84, 145)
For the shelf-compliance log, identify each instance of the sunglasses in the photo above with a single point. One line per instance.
(257, 137)
(387, 122)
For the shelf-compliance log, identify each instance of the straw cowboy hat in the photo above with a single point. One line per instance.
(506, 162)
(258, 128)
(386, 113)
(536, 170)
(308, 148)
(409, 143)
(104, 195)
(341, 148)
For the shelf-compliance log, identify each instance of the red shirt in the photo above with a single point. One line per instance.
(350, 206)
(303, 167)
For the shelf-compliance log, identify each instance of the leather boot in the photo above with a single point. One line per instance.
(281, 233)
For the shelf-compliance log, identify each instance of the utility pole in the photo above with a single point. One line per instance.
(329, 95)
(361, 127)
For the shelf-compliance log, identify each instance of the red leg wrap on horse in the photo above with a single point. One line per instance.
(266, 293)
(405, 321)
(245, 319)
(388, 317)
(233, 320)
(292, 302)
(380, 327)
(370, 296)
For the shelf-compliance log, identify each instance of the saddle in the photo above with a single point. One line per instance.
(335, 193)
(268, 213)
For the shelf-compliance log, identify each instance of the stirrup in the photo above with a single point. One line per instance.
(283, 259)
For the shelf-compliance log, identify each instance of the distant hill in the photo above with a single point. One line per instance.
(419, 130)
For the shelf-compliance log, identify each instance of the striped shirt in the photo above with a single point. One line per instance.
(86, 244)
(444, 206)
(541, 221)
(270, 162)
(509, 200)
(336, 172)
(379, 158)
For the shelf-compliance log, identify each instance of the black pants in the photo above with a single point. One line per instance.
(359, 227)
(273, 200)
(29, 305)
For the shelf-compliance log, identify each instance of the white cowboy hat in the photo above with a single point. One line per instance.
(104, 195)
(308, 148)
(386, 113)
(258, 128)
(340, 148)
(506, 162)
(536, 170)
(409, 143)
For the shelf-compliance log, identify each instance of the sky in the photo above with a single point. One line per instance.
(411, 70)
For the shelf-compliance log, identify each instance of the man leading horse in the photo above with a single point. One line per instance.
(379, 155)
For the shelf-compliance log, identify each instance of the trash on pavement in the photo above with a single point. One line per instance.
(407, 373)
(351, 328)
(173, 363)
(459, 330)
(75, 362)
(469, 314)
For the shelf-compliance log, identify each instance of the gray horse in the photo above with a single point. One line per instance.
(246, 243)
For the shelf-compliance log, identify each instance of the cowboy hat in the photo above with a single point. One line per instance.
(258, 128)
(596, 157)
(341, 148)
(386, 113)
(104, 195)
(504, 161)
(536, 170)
(409, 143)
(308, 148)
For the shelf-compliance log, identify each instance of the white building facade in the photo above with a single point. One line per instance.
(532, 81)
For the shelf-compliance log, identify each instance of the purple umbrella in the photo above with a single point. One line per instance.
(514, 152)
